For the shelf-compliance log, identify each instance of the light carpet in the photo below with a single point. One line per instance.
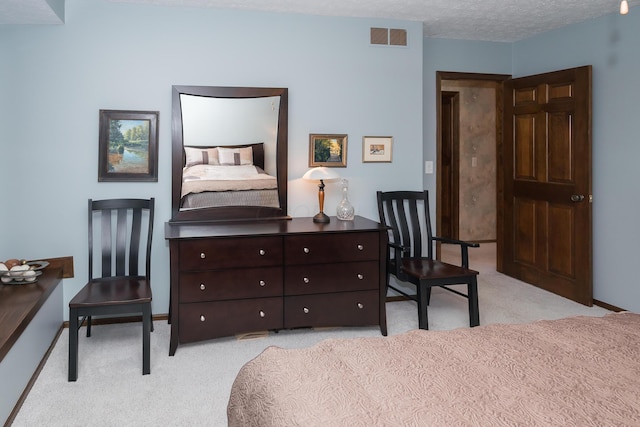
(192, 388)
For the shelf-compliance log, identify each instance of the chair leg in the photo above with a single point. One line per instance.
(474, 312)
(151, 318)
(429, 295)
(423, 302)
(146, 339)
(88, 326)
(73, 345)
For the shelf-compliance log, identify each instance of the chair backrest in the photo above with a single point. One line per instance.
(407, 213)
(120, 234)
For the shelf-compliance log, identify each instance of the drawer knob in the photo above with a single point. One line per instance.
(306, 310)
(262, 283)
(360, 305)
(202, 287)
(202, 318)
(306, 250)
(360, 247)
(262, 252)
(262, 313)
(360, 276)
(306, 280)
(202, 255)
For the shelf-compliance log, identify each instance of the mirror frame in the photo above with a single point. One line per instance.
(228, 213)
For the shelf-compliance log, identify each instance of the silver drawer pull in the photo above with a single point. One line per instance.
(262, 252)
(202, 287)
(306, 310)
(202, 318)
(360, 305)
(306, 250)
(262, 313)
(360, 247)
(262, 283)
(306, 280)
(202, 255)
(360, 276)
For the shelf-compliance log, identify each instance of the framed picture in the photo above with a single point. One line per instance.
(377, 149)
(328, 150)
(128, 146)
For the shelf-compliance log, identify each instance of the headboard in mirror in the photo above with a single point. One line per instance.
(229, 153)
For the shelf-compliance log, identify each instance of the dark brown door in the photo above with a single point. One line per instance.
(449, 165)
(547, 232)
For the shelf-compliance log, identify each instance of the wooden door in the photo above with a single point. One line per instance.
(449, 165)
(547, 231)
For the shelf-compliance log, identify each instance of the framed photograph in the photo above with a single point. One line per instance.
(328, 150)
(128, 146)
(377, 149)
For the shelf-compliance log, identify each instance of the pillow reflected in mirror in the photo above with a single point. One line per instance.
(235, 156)
(201, 156)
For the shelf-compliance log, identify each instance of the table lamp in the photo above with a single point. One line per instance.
(322, 174)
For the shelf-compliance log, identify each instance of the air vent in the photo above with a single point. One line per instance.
(388, 37)
(397, 37)
(379, 36)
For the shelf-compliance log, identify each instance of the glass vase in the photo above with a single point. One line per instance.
(345, 210)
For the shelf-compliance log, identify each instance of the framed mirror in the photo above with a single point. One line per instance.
(229, 153)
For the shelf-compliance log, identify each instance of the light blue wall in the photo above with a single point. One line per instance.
(610, 45)
(456, 56)
(55, 79)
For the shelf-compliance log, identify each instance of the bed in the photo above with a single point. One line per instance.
(227, 176)
(578, 371)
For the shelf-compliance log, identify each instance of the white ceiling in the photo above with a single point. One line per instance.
(489, 20)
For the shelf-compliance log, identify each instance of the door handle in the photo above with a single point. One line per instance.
(577, 197)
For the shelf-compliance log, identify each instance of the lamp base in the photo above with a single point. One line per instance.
(322, 218)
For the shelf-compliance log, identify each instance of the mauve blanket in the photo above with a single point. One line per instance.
(579, 371)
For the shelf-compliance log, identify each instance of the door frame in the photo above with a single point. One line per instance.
(499, 110)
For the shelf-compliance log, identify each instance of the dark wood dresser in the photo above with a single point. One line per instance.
(235, 278)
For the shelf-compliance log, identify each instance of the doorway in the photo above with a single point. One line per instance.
(467, 162)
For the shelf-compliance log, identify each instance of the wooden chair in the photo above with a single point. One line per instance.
(119, 289)
(407, 215)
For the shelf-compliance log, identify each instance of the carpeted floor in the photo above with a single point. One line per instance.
(192, 387)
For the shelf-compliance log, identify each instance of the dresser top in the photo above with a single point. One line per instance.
(267, 228)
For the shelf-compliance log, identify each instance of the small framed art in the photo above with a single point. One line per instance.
(376, 149)
(128, 146)
(328, 150)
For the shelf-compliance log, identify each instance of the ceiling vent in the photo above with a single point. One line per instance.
(388, 36)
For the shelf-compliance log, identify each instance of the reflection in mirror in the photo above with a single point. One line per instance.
(229, 153)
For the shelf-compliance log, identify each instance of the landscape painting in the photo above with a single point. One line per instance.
(328, 150)
(128, 146)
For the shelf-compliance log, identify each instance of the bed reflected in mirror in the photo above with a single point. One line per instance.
(229, 153)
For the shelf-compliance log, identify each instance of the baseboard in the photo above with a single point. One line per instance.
(607, 306)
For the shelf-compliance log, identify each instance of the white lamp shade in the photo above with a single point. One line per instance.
(322, 172)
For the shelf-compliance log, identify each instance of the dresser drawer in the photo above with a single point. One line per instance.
(330, 247)
(215, 285)
(335, 309)
(201, 321)
(207, 254)
(339, 277)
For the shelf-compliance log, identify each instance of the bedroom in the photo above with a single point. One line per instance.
(55, 79)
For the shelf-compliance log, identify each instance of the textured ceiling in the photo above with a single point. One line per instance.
(490, 20)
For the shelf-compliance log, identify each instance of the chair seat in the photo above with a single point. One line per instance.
(113, 291)
(425, 268)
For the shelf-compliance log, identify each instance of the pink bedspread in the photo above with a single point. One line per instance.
(579, 371)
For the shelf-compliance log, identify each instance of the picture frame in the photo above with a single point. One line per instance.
(377, 149)
(128, 146)
(328, 150)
